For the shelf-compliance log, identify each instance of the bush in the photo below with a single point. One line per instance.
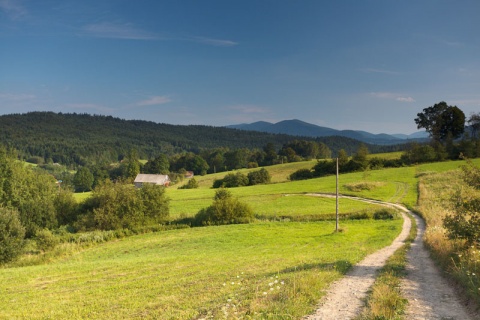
(464, 222)
(225, 210)
(385, 214)
(259, 177)
(120, 205)
(66, 207)
(11, 235)
(232, 180)
(301, 174)
(46, 240)
(324, 167)
(191, 184)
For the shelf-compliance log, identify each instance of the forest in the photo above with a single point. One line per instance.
(77, 139)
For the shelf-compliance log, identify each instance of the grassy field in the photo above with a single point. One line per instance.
(264, 270)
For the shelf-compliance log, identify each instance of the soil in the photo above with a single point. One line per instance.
(428, 293)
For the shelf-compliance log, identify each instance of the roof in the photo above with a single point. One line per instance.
(152, 178)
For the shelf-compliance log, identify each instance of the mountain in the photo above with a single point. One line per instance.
(300, 128)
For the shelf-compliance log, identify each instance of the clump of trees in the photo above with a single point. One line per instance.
(122, 206)
(225, 209)
(33, 205)
(238, 179)
(358, 162)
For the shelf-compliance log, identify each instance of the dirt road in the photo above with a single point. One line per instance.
(429, 296)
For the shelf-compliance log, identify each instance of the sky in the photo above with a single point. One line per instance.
(362, 65)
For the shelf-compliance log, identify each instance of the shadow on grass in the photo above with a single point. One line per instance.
(341, 266)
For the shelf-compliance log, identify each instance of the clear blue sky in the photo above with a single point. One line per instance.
(362, 65)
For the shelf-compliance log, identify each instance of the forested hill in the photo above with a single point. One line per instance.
(76, 138)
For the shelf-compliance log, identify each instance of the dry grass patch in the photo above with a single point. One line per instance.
(363, 186)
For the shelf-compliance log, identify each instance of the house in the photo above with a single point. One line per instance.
(158, 179)
(189, 174)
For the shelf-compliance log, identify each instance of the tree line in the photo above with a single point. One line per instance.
(75, 140)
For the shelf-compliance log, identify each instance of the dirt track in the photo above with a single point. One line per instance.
(429, 295)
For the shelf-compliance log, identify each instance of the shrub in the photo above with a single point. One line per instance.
(301, 174)
(385, 214)
(121, 206)
(11, 235)
(191, 184)
(324, 167)
(225, 210)
(464, 222)
(232, 180)
(259, 177)
(66, 207)
(46, 240)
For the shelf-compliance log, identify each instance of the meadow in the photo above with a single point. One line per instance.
(271, 269)
(264, 270)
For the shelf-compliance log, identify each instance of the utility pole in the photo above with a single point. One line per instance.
(336, 209)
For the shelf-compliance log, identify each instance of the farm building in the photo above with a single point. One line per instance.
(159, 179)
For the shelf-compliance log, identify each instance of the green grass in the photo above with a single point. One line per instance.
(188, 273)
(81, 196)
(385, 300)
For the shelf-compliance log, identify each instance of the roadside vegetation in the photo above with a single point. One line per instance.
(453, 225)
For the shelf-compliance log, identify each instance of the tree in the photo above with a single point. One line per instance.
(270, 154)
(11, 235)
(83, 179)
(474, 123)
(440, 120)
(342, 158)
(131, 166)
(159, 165)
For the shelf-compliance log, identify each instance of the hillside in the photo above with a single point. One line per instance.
(77, 138)
(298, 127)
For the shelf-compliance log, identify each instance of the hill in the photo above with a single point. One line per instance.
(78, 138)
(297, 127)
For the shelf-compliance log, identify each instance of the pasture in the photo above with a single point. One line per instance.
(264, 270)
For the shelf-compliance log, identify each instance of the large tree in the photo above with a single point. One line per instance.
(441, 121)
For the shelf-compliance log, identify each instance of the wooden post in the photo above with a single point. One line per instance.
(336, 209)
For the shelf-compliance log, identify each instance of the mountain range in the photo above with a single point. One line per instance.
(300, 128)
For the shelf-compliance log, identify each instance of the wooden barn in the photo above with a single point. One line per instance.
(158, 179)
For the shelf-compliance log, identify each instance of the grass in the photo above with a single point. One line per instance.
(385, 300)
(266, 270)
(460, 263)
(263, 270)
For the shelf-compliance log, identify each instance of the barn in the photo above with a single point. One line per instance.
(158, 179)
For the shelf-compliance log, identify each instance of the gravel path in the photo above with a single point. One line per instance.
(429, 295)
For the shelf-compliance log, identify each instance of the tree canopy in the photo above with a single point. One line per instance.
(441, 121)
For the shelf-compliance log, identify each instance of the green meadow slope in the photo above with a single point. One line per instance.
(275, 270)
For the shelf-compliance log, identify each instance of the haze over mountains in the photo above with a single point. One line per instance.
(300, 128)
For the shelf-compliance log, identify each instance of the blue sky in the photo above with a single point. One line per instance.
(362, 65)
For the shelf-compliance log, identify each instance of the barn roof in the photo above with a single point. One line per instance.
(151, 178)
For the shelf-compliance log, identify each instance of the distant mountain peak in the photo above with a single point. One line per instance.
(296, 127)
